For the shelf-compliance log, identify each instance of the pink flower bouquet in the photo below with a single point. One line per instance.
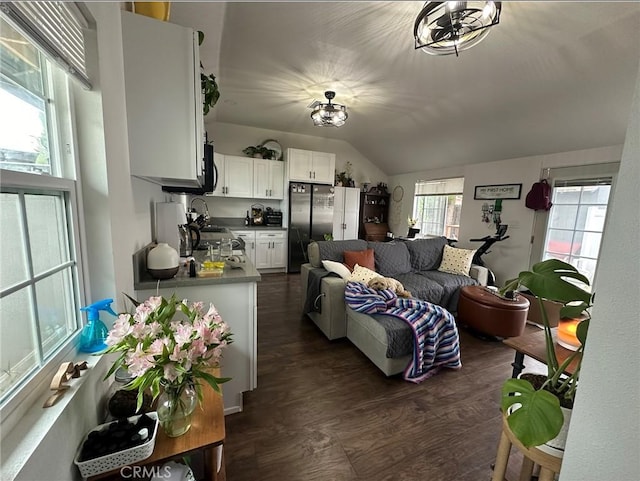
(169, 343)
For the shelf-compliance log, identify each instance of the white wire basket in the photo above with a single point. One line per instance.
(118, 459)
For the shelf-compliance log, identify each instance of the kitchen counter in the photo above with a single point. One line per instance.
(235, 296)
(257, 228)
(236, 223)
(232, 228)
(143, 280)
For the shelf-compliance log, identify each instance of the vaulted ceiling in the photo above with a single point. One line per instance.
(551, 77)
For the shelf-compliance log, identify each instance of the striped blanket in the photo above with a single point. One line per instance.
(436, 342)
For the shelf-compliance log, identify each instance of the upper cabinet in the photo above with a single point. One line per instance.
(164, 101)
(246, 177)
(310, 166)
(235, 176)
(268, 179)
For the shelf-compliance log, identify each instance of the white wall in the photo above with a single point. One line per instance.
(604, 435)
(509, 257)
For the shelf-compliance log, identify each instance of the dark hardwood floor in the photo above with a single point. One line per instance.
(323, 411)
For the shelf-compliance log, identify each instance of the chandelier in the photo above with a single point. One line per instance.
(443, 28)
(329, 115)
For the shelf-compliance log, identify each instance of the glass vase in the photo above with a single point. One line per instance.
(175, 408)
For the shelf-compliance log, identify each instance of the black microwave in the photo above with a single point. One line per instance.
(208, 177)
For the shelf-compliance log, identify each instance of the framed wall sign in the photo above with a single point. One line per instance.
(499, 191)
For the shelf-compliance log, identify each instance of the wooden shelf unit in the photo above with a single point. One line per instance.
(374, 215)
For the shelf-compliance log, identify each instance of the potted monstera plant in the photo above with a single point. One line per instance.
(538, 407)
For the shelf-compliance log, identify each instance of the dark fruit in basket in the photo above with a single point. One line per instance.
(123, 403)
(145, 422)
(117, 436)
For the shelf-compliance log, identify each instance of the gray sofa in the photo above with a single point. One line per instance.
(414, 263)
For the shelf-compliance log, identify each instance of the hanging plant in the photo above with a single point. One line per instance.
(210, 91)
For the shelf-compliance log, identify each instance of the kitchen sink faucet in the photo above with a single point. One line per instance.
(207, 217)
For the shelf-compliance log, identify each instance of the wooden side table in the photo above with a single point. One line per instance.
(206, 435)
(533, 345)
(549, 464)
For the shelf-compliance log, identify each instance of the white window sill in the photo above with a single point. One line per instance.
(45, 440)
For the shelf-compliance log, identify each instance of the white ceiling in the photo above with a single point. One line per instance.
(551, 77)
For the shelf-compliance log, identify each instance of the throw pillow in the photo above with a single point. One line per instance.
(426, 254)
(362, 274)
(337, 268)
(392, 258)
(456, 261)
(364, 258)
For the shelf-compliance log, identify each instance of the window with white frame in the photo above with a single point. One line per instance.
(576, 223)
(437, 206)
(40, 283)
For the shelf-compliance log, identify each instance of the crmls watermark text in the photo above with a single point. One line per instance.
(145, 472)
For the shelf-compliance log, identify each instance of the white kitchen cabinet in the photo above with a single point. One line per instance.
(268, 179)
(163, 101)
(311, 166)
(271, 250)
(235, 176)
(239, 175)
(249, 238)
(346, 207)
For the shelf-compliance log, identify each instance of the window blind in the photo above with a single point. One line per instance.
(440, 187)
(583, 182)
(56, 28)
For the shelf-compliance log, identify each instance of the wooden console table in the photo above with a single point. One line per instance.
(533, 345)
(206, 435)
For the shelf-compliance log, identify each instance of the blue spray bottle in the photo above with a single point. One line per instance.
(94, 334)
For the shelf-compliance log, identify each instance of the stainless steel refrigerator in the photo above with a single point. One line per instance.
(310, 218)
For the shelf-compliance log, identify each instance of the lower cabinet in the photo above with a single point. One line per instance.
(271, 250)
(249, 238)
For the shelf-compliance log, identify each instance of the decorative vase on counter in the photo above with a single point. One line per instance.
(163, 261)
(175, 408)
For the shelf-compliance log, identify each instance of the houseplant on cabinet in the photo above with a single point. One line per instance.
(170, 346)
(535, 410)
(260, 152)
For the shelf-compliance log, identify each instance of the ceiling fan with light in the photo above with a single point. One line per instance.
(328, 114)
(443, 28)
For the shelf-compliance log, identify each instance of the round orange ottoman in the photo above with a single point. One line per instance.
(485, 312)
